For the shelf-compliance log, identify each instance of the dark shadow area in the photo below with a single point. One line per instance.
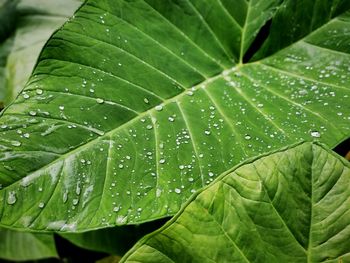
(343, 149)
(258, 41)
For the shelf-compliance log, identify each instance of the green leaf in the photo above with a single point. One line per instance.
(31, 23)
(297, 18)
(135, 105)
(288, 206)
(19, 246)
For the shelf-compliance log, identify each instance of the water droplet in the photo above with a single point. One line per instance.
(207, 132)
(247, 137)
(159, 107)
(61, 107)
(75, 201)
(65, 197)
(41, 205)
(121, 166)
(190, 179)
(121, 220)
(158, 192)
(116, 209)
(315, 134)
(11, 199)
(39, 91)
(149, 127)
(181, 167)
(177, 190)
(32, 113)
(99, 100)
(82, 161)
(146, 100)
(16, 143)
(171, 119)
(161, 161)
(26, 135)
(25, 95)
(211, 174)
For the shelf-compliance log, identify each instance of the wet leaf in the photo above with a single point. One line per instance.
(135, 105)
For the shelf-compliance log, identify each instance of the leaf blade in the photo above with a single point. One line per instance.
(252, 213)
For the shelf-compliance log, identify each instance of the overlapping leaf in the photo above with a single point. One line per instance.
(134, 105)
(290, 206)
(26, 25)
(20, 246)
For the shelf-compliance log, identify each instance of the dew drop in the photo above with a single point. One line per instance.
(171, 119)
(16, 143)
(26, 96)
(39, 91)
(121, 166)
(159, 107)
(177, 190)
(207, 132)
(99, 100)
(11, 199)
(121, 220)
(315, 134)
(247, 137)
(41, 205)
(32, 113)
(61, 107)
(161, 161)
(146, 100)
(149, 127)
(158, 192)
(65, 197)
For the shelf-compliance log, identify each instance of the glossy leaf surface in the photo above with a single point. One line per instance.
(135, 105)
(290, 206)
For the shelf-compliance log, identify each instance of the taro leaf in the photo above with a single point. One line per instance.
(289, 206)
(35, 21)
(19, 246)
(134, 105)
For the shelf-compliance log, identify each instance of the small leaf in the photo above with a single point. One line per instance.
(289, 206)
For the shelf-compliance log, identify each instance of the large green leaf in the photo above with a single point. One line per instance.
(19, 246)
(290, 206)
(31, 23)
(134, 105)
